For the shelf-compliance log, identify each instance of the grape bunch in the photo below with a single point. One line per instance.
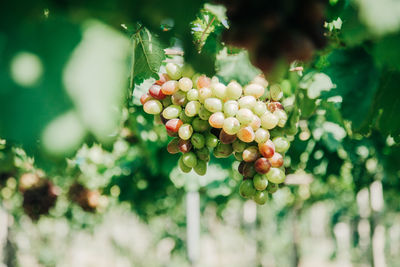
(203, 115)
(276, 29)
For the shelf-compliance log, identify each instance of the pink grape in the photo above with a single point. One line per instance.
(216, 120)
(170, 87)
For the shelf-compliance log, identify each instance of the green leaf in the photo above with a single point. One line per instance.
(218, 11)
(386, 53)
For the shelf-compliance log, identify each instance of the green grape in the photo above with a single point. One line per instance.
(269, 120)
(244, 116)
(211, 140)
(213, 104)
(286, 87)
(185, 131)
(185, 84)
(192, 95)
(166, 102)
(231, 107)
(195, 78)
(282, 117)
(276, 175)
(260, 108)
(233, 90)
(192, 108)
(238, 156)
(281, 144)
(201, 167)
(261, 136)
(173, 71)
(184, 118)
(219, 90)
(272, 188)
(198, 140)
(247, 102)
(231, 126)
(179, 98)
(239, 146)
(261, 197)
(204, 114)
(246, 189)
(200, 125)
(189, 159)
(275, 92)
(203, 154)
(260, 181)
(223, 150)
(172, 112)
(153, 107)
(204, 93)
(254, 89)
(183, 166)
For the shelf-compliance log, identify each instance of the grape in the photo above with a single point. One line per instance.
(272, 188)
(216, 120)
(152, 107)
(172, 134)
(233, 90)
(192, 95)
(246, 134)
(166, 101)
(189, 159)
(256, 123)
(247, 102)
(259, 108)
(261, 136)
(204, 114)
(219, 90)
(173, 71)
(185, 118)
(203, 81)
(223, 150)
(260, 197)
(170, 87)
(179, 98)
(226, 138)
(173, 125)
(211, 140)
(185, 131)
(241, 167)
(231, 126)
(272, 106)
(281, 144)
(276, 160)
(250, 154)
(184, 145)
(200, 125)
(248, 170)
(254, 89)
(244, 116)
(185, 84)
(145, 97)
(173, 146)
(262, 165)
(155, 91)
(247, 189)
(192, 108)
(213, 104)
(238, 156)
(276, 176)
(203, 154)
(269, 120)
(238, 146)
(267, 149)
(163, 78)
(275, 92)
(214, 80)
(198, 140)
(260, 182)
(282, 117)
(187, 71)
(231, 107)
(183, 166)
(204, 93)
(260, 80)
(172, 112)
(201, 167)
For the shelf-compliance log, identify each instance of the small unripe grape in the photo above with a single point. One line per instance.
(238, 156)
(170, 87)
(174, 71)
(226, 138)
(204, 114)
(276, 176)
(173, 125)
(179, 98)
(183, 166)
(272, 188)
(172, 112)
(267, 149)
(173, 146)
(233, 90)
(276, 160)
(198, 140)
(261, 197)
(203, 154)
(239, 146)
(189, 159)
(216, 120)
(192, 108)
(223, 150)
(219, 90)
(247, 102)
(231, 107)
(254, 89)
(213, 104)
(275, 92)
(155, 91)
(231, 126)
(246, 189)
(204, 93)
(246, 134)
(203, 81)
(185, 118)
(260, 108)
(200, 125)
(255, 123)
(261, 136)
(281, 144)
(211, 140)
(245, 116)
(184, 145)
(166, 102)
(282, 116)
(145, 97)
(185, 84)
(269, 120)
(185, 131)
(248, 170)
(262, 165)
(152, 107)
(192, 95)
(201, 167)
(251, 154)
(260, 182)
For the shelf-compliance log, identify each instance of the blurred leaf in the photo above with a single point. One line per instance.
(219, 11)
(386, 53)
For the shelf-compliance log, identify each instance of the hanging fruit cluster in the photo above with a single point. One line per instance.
(203, 115)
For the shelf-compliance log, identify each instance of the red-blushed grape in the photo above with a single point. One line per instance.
(192, 108)
(247, 102)
(173, 70)
(267, 149)
(223, 150)
(211, 140)
(259, 108)
(255, 123)
(184, 145)
(172, 112)
(204, 93)
(238, 156)
(251, 154)
(173, 125)
(179, 98)
(198, 140)
(185, 131)
(216, 120)
(282, 117)
(203, 81)
(260, 197)
(261, 136)
(213, 104)
(163, 78)
(219, 90)
(173, 146)
(272, 188)
(231, 125)
(145, 97)
(241, 167)
(275, 92)
(226, 138)
(246, 189)
(244, 116)
(262, 165)
(201, 167)
(152, 107)
(204, 114)
(269, 120)
(260, 181)
(185, 84)
(254, 89)
(189, 159)
(276, 176)
(203, 154)
(246, 134)
(169, 87)
(276, 160)
(281, 144)
(233, 90)
(272, 106)
(155, 91)
(192, 95)
(200, 125)
(231, 107)
(248, 170)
